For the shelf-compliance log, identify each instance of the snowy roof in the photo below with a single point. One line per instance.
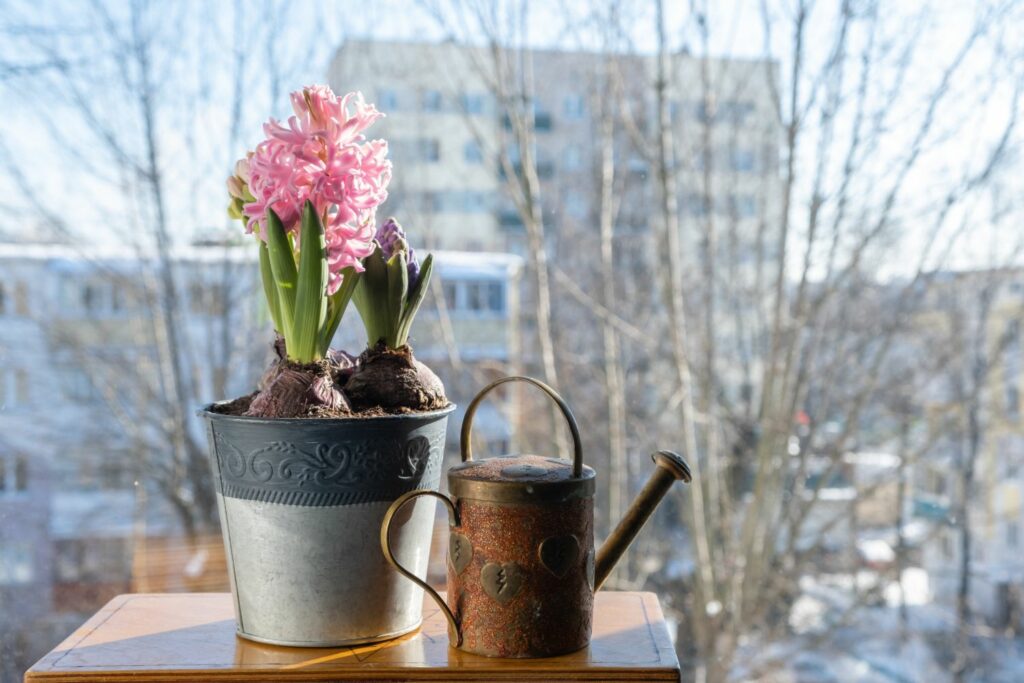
(837, 494)
(880, 460)
(463, 263)
(875, 550)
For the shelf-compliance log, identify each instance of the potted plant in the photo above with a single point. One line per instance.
(306, 466)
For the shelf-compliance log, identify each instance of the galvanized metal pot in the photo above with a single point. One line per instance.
(301, 503)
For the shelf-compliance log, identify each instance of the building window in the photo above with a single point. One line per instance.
(206, 298)
(1013, 333)
(458, 201)
(947, 546)
(15, 388)
(451, 295)
(16, 564)
(118, 300)
(20, 473)
(696, 205)
(1012, 401)
(742, 160)
(574, 107)
(387, 100)
(542, 122)
(90, 298)
(21, 299)
(471, 152)
(726, 111)
(510, 218)
(416, 150)
(1012, 534)
(78, 386)
(485, 297)
(576, 206)
(496, 297)
(572, 158)
(93, 560)
(430, 202)
(475, 297)
(473, 103)
(429, 150)
(743, 205)
(432, 101)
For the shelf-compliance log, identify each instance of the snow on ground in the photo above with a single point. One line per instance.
(848, 628)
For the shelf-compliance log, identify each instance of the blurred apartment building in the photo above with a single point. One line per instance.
(976, 406)
(954, 381)
(449, 122)
(82, 444)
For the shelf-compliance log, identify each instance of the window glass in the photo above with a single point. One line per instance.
(451, 292)
(574, 107)
(472, 153)
(16, 564)
(21, 299)
(20, 473)
(432, 101)
(387, 100)
(473, 103)
(495, 297)
(742, 160)
(572, 158)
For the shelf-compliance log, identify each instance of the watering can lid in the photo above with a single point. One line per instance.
(519, 478)
(519, 469)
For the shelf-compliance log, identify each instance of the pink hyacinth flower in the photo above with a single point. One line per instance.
(321, 154)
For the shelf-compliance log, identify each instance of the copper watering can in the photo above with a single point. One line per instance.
(522, 569)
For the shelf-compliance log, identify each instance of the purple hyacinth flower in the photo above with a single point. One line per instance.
(388, 237)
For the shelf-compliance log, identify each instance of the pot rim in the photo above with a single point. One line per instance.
(207, 412)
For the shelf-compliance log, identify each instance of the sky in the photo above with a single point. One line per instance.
(200, 44)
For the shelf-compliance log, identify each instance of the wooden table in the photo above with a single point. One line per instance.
(191, 637)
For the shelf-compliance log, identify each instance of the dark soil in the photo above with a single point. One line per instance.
(380, 382)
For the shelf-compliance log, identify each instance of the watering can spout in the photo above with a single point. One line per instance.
(670, 467)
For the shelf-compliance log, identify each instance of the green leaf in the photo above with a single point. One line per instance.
(416, 295)
(336, 305)
(235, 209)
(282, 265)
(269, 288)
(398, 286)
(311, 291)
(370, 293)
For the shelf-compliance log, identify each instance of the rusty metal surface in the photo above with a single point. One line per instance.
(520, 577)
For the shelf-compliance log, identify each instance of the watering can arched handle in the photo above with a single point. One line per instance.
(454, 632)
(467, 422)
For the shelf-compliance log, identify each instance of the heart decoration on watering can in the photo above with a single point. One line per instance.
(522, 569)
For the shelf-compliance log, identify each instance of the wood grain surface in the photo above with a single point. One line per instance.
(191, 637)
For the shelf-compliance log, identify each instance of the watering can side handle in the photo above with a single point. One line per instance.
(467, 422)
(455, 634)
